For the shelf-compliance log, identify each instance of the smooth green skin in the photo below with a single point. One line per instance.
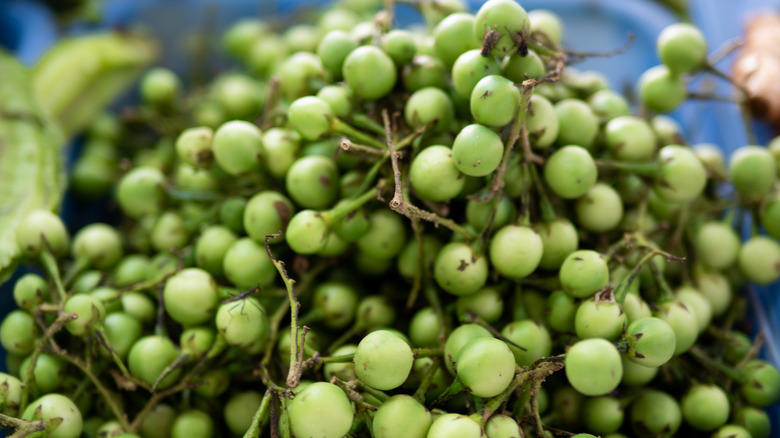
(716, 289)
(48, 373)
(717, 244)
(90, 313)
(424, 328)
(683, 322)
(635, 308)
(507, 18)
(603, 415)
(93, 176)
(213, 383)
(352, 226)
(548, 23)
(312, 182)
(281, 147)
(150, 356)
(345, 370)
(770, 216)
(559, 239)
(39, 230)
(139, 306)
(478, 213)
(667, 129)
(583, 273)
(453, 36)
(10, 394)
(455, 426)
(110, 428)
(242, 322)
(121, 331)
(570, 172)
(759, 260)
(477, 150)
(429, 105)
(321, 409)
(607, 104)
(333, 49)
(630, 138)
(386, 236)
(336, 302)
(494, 101)
(196, 341)
(460, 337)
(211, 247)
(311, 117)
(681, 177)
(240, 409)
(240, 36)
(560, 311)
(515, 251)
(370, 72)
(338, 97)
(576, 123)
(99, 244)
(530, 335)
(732, 431)
(518, 68)
(593, 367)
(653, 341)
(762, 387)
(193, 146)
(599, 320)
(266, 213)
(660, 90)
(246, 265)
(434, 174)
(238, 146)
(737, 345)
(193, 423)
(487, 304)
(470, 68)
(600, 209)
(567, 404)
(705, 407)
(383, 360)
(238, 95)
(109, 297)
(190, 296)
(401, 416)
(30, 290)
(159, 421)
(459, 270)
(169, 232)
(299, 73)
(302, 37)
(160, 87)
(400, 45)
(231, 213)
(637, 375)
(196, 180)
(695, 301)
(655, 413)
(682, 48)
(502, 426)
(131, 269)
(541, 122)
(424, 71)
(752, 171)
(56, 406)
(755, 420)
(486, 366)
(408, 261)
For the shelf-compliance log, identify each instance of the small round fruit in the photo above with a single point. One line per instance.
(61, 416)
(321, 409)
(383, 360)
(594, 367)
(486, 366)
(682, 48)
(705, 407)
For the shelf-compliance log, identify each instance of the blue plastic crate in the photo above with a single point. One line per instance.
(27, 28)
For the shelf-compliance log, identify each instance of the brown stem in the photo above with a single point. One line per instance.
(399, 205)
